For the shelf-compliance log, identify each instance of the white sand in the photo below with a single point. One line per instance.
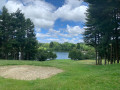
(26, 72)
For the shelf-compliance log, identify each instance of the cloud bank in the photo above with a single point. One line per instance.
(72, 10)
(44, 15)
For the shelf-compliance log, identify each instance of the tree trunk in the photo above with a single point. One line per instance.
(96, 58)
(105, 58)
(111, 56)
(6, 56)
(117, 50)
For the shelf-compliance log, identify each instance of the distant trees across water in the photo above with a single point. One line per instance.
(103, 29)
(77, 51)
(66, 46)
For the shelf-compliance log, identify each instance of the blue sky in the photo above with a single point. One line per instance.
(55, 20)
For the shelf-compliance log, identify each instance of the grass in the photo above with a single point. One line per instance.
(77, 75)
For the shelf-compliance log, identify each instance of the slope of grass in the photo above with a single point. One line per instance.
(77, 75)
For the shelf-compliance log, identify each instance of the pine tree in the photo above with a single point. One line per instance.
(103, 29)
(31, 42)
(17, 36)
(5, 33)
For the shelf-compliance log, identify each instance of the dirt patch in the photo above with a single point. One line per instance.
(26, 72)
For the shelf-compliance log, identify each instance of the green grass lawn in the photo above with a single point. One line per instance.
(77, 75)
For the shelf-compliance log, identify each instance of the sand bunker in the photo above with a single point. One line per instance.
(26, 72)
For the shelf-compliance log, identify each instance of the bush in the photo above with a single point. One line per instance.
(76, 54)
(51, 55)
(43, 55)
(89, 55)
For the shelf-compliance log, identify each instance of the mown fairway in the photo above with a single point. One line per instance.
(77, 75)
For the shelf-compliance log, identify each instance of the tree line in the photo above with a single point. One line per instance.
(103, 29)
(79, 51)
(17, 36)
(65, 47)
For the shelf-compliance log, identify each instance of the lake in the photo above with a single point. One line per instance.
(62, 55)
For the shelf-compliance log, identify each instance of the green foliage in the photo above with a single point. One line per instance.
(17, 36)
(77, 51)
(55, 46)
(51, 44)
(89, 54)
(78, 46)
(76, 54)
(103, 32)
(51, 55)
(44, 54)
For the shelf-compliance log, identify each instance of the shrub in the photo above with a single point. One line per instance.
(76, 54)
(44, 54)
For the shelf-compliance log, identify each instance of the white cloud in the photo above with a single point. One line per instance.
(64, 40)
(74, 3)
(76, 30)
(44, 14)
(2, 3)
(41, 35)
(72, 40)
(53, 39)
(70, 31)
(54, 33)
(71, 34)
(51, 33)
(38, 29)
(61, 40)
(72, 10)
(12, 6)
(66, 35)
(39, 11)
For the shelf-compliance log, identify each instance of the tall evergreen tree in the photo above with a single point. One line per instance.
(31, 42)
(5, 33)
(17, 37)
(103, 29)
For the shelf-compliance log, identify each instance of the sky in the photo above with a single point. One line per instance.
(54, 20)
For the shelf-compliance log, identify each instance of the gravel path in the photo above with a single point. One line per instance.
(26, 72)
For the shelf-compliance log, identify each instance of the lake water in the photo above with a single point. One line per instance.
(62, 55)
